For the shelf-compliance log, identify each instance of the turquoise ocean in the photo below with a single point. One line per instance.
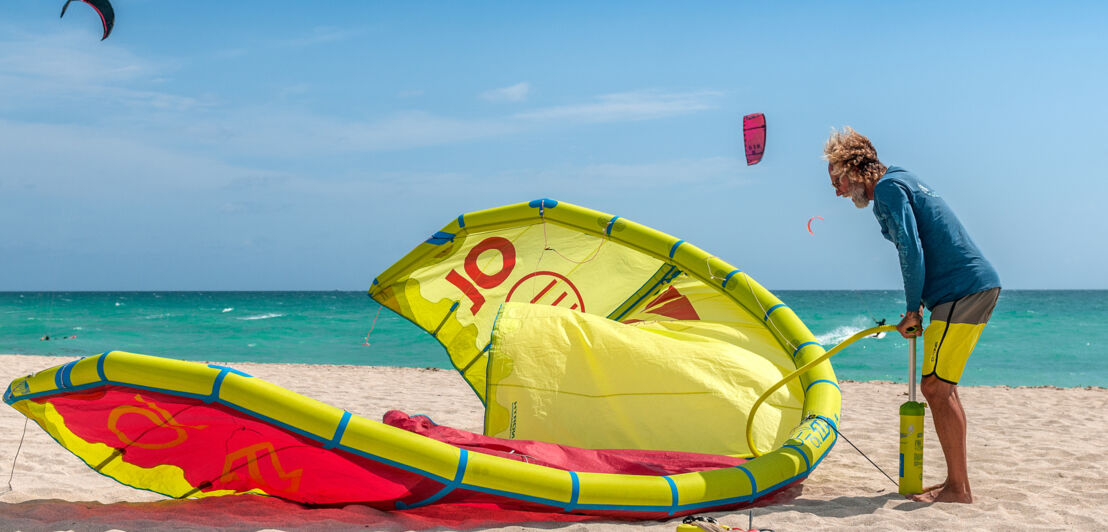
(1035, 338)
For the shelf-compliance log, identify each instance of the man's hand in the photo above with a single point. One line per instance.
(911, 319)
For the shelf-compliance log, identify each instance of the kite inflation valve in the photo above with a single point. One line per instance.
(911, 432)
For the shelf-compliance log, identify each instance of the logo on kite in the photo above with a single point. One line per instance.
(810, 223)
(754, 136)
(103, 8)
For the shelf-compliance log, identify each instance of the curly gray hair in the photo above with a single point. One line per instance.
(852, 157)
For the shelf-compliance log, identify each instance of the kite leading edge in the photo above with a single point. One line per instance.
(103, 8)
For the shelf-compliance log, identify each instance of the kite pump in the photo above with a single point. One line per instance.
(911, 432)
(911, 412)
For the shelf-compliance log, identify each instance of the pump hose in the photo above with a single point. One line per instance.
(832, 352)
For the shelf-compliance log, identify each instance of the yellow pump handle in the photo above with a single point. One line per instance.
(834, 351)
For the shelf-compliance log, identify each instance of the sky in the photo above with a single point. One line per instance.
(290, 145)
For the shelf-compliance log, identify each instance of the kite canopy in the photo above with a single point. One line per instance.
(103, 8)
(550, 310)
(810, 223)
(754, 137)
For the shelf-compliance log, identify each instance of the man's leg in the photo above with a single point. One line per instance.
(950, 424)
(949, 340)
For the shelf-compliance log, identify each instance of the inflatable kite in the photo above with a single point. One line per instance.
(810, 223)
(617, 365)
(103, 8)
(754, 137)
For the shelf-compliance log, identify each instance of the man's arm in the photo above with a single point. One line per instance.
(899, 220)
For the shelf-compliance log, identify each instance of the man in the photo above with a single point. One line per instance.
(943, 270)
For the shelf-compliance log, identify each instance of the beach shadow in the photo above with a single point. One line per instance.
(844, 506)
(250, 512)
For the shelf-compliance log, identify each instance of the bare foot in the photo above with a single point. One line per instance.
(936, 487)
(942, 494)
(927, 495)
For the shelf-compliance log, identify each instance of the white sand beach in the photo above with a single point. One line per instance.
(1037, 462)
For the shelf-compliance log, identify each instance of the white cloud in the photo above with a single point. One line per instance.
(514, 93)
(266, 131)
(67, 57)
(57, 75)
(295, 89)
(59, 69)
(716, 171)
(231, 53)
(681, 171)
(262, 131)
(627, 106)
(68, 159)
(23, 94)
(321, 35)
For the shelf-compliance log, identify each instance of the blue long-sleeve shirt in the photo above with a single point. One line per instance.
(938, 260)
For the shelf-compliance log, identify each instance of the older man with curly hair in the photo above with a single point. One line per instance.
(943, 270)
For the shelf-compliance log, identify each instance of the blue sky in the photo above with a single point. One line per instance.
(296, 145)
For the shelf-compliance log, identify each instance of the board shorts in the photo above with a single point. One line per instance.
(953, 332)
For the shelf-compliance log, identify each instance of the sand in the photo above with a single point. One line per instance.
(1038, 461)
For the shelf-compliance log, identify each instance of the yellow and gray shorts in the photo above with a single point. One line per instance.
(953, 332)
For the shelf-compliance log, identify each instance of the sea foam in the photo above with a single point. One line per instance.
(262, 316)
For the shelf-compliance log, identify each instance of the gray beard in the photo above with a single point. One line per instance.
(858, 196)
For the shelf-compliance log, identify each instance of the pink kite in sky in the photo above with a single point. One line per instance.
(754, 135)
(810, 223)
